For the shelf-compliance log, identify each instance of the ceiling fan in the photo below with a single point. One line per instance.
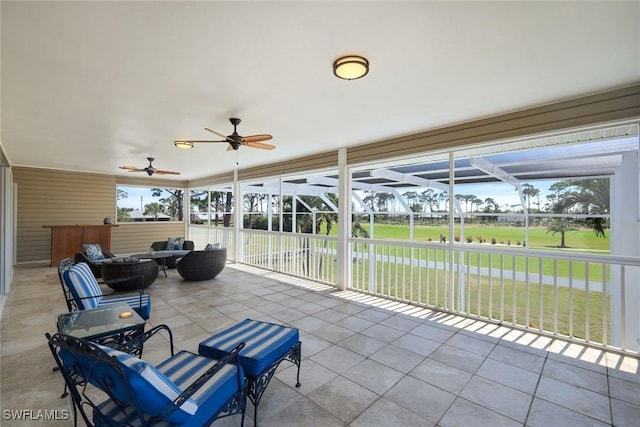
(234, 140)
(150, 170)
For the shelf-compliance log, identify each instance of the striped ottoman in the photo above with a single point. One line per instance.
(266, 345)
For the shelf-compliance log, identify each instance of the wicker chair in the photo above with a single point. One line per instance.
(114, 274)
(202, 265)
(96, 267)
(170, 262)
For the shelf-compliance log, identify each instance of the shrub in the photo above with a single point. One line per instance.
(493, 241)
(469, 239)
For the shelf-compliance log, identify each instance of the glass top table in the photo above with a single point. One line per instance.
(162, 256)
(114, 326)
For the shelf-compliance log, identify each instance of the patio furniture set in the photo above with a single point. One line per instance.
(191, 264)
(98, 350)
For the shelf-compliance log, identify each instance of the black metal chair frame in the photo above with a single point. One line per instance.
(72, 302)
(82, 382)
(257, 385)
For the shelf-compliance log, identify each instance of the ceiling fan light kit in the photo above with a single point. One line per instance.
(185, 145)
(351, 67)
(234, 140)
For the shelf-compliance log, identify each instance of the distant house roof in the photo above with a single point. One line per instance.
(138, 216)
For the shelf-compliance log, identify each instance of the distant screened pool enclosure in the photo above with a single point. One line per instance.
(540, 233)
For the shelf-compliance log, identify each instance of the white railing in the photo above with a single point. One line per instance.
(303, 255)
(204, 234)
(578, 296)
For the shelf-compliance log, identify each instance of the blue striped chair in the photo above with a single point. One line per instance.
(112, 388)
(266, 345)
(82, 291)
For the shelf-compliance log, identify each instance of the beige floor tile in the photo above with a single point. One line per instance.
(385, 413)
(362, 365)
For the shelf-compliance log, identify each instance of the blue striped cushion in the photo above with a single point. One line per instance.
(264, 344)
(153, 390)
(143, 310)
(83, 284)
(182, 369)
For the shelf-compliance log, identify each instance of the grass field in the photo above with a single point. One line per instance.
(572, 312)
(538, 237)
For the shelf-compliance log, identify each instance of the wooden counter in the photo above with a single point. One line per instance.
(66, 240)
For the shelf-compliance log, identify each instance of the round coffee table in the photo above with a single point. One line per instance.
(161, 257)
(135, 269)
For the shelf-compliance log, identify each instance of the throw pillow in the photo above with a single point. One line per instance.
(153, 390)
(212, 246)
(175, 243)
(93, 251)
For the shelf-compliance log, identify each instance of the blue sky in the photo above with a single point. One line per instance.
(135, 193)
(504, 194)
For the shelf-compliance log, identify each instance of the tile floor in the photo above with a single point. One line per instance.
(366, 361)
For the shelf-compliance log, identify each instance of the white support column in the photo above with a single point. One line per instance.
(7, 227)
(344, 221)
(625, 241)
(186, 211)
(238, 255)
(270, 228)
(452, 208)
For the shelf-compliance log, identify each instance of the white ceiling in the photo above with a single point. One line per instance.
(90, 86)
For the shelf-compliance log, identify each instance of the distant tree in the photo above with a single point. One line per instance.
(477, 202)
(529, 191)
(228, 205)
(427, 199)
(585, 196)
(412, 198)
(123, 214)
(121, 194)
(173, 204)
(560, 226)
(154, 209)
(370, 200)
(443, 197)
(490, 205)
(198, 199)
(382, 201)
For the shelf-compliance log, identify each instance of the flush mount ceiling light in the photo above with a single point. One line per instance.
(351, 67)
(183, 144)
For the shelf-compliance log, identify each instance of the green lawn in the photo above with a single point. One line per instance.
(538, 236)
(506, 298)
(501, 299)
